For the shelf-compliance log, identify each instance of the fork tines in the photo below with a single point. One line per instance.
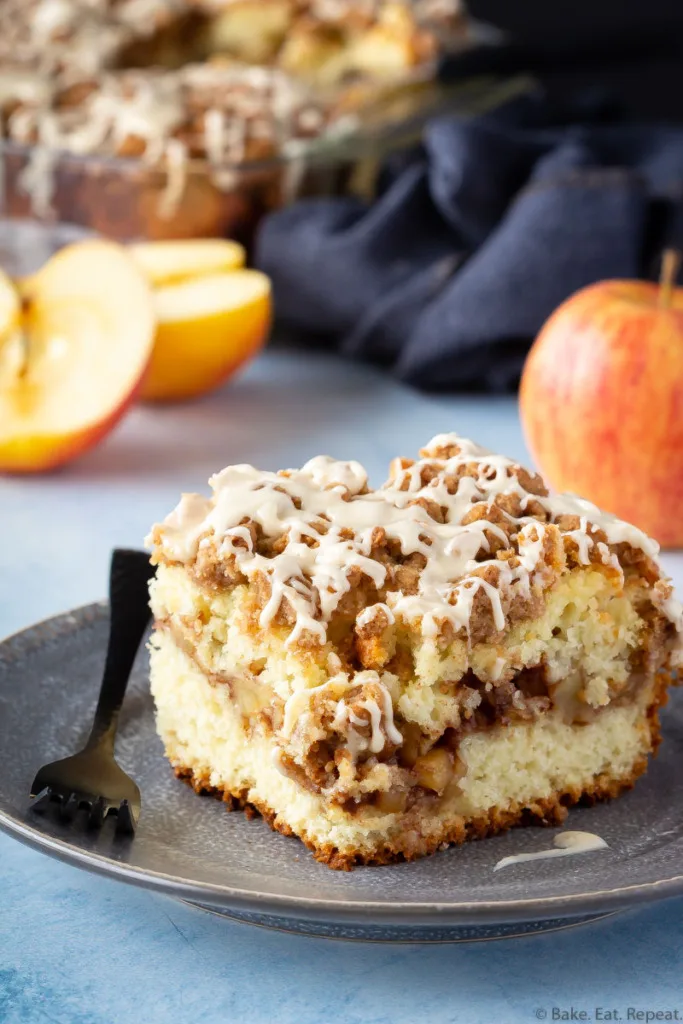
(97, 808)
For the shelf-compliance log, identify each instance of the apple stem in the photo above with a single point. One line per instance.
(671, 261)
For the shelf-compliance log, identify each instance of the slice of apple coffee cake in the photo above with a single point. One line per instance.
(381, 672)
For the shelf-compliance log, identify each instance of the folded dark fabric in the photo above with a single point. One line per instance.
(474, 239)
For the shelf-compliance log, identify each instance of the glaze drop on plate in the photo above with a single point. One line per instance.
(566, 844)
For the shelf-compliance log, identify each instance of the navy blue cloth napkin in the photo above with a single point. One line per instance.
(473, 239)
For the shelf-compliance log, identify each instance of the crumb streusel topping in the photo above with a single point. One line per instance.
(227, 113)
(460, 531)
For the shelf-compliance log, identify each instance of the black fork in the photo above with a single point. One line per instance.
(92, 779)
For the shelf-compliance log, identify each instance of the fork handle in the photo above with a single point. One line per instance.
(129, 578)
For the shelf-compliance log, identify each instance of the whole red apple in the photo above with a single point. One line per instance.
(601, 402)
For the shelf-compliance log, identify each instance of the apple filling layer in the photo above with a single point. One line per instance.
(437, 658)
(391, 737)
(504, 775)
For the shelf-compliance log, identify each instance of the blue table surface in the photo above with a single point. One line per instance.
(79, 949)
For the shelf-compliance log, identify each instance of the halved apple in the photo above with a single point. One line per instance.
(75, 359)
(206, 328)
(171, 262)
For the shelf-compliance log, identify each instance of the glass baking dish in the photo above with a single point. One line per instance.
(126, 198)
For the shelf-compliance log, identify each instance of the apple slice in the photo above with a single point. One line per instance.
(76, 359)
(171, 262)
(206, 328)
(10, 308)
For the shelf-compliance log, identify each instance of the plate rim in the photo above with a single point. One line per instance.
(313, 908)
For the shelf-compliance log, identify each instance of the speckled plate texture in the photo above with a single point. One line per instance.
(190, 848)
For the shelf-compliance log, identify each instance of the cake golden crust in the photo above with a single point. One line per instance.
(551, 811)
(546, 811)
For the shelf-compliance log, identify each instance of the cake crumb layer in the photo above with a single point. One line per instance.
(512, 776)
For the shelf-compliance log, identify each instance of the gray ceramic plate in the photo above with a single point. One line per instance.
(190, 848)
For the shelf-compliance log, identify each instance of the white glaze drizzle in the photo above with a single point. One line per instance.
(345, 720)
(86, 36)
(566, 844)
(327, 503)
(299, 702)
(348, 722)
(158, 112)
(370, 613)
